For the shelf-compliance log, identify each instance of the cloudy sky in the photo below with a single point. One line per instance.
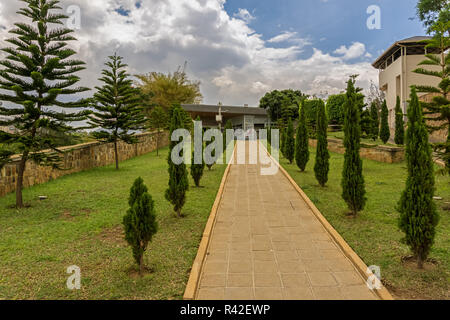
(238, 49)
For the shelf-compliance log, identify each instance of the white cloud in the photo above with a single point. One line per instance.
(356, 50)
(243, 14)
(233, 62)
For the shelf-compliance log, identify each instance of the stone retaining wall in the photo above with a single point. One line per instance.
(78, 158)
(378, 153)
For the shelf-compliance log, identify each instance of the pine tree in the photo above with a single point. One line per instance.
(418, 215)
(158, 121)
(290, 142)
(228, 126)
(437, 112)
(302, 141)
(322, 165)
(197, 169)
(353, 189)
(399, 124)
(116, 105)
(213, 153)
(178, 176)
(283, 141)
(375, 120)
(385, 133)
(140, 221)
(37, 71)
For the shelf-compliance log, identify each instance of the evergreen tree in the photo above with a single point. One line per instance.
(140, 221)
(353, 189)
(437, 111)
(158, 121)
(37, 71)
(385, 133)
(290, 142)
(116, 105)
(213, 153)
(375, 120)
(228, 126)
(302, 141)
(178, 176)
(322, 165)
(283, 141)
(197, 169)
(418, 215)
(399, 124)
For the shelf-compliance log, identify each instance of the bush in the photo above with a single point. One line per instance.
(418, 215)
(290, 142)
(335, 104)
(399, 124)
(385, 133)
(302, 141)
(322, 165)
(140, 221)
(353, 189)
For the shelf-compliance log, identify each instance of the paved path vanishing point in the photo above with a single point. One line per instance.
(267, 244)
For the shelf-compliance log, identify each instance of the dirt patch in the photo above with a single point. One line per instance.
(133, 272)
(114, 236)
(69, 215)
(410, 262)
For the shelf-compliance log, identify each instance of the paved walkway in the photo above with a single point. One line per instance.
(267, 244)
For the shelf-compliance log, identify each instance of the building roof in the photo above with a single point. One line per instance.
(228, 110)
(412, 41)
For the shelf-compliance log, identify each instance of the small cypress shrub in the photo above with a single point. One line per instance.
(322, 165)
(140, 221)
(375, 120)
(418, 215)
(283, 142)
(178, 176)
(385, 133)
(290, 142)
(213, 153)
(302, 141)
(399, 124)
(197, 169)
(353, 189)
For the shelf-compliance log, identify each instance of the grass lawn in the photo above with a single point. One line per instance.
(81, 224)
(374, 234)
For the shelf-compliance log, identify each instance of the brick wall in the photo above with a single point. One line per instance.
(379, 153)
(78, 158)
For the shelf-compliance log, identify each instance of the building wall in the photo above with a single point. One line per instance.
(78, 158)
(398, 78)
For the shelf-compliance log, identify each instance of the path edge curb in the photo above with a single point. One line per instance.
(194, 277)
(382, 293)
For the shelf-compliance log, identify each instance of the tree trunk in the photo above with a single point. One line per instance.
(141, 265)
(116, 155)
(157, 143)
(19, 182)
(419, 262)
(179, 213)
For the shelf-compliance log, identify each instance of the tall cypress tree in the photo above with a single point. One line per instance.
(437, 111)
(140, 221)
(302, 141)
(385, 133)
(353, 189)
(418, 215)
(37, 71)
(178, 176)
(283, 142)
(290, 142)
(116, 106)
(213, 153)
(322, 165)
(375, 120)
(197, 169)
(399, 124)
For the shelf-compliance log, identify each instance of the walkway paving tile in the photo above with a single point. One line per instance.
(267, 244)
